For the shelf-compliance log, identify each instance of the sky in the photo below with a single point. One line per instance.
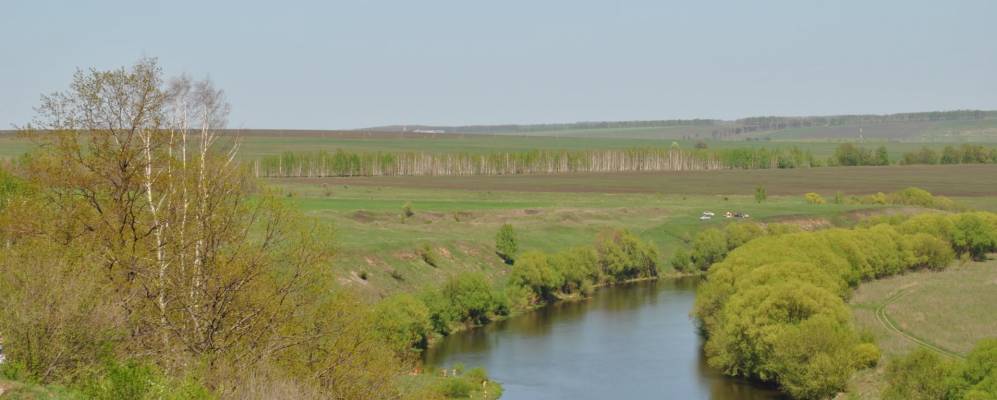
(352, 64)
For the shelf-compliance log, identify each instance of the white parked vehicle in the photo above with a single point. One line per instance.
(705, 217)
(708, 213)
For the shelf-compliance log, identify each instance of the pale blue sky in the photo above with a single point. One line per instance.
(350, 64)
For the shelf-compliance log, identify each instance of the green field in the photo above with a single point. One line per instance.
(459, 217)
(926, 309)
(948, 180)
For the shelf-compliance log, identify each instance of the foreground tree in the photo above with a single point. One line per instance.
(157, 246)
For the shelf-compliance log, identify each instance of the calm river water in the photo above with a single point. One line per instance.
(628, 342)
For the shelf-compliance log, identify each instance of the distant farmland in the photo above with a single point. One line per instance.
(949, 180)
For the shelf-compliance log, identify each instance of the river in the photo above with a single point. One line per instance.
(632, 341)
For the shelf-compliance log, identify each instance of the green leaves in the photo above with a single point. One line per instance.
(506, 244)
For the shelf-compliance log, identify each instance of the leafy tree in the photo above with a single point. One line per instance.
(738, 234)
(533, 271)
(622, 256)
(578, 266)
(709, 246)
(506, 244)
(403, 323)
(974, 235)
(920, 375)
(681, 261)
(950, 155)
(882, 156)
(760, 194)
(976, 378)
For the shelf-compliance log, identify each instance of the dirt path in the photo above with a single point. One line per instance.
(888, 323)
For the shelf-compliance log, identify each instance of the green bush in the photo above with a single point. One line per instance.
(467, 298)
(773, 308)
(708, 247)
(623, 256)
(681, 261)
(506, 244)
(920, 375)
(139, 381)
(760, 194)
(533, 271)
(866, 355)
(976, 377)
(428, 254)
(403, 323)
(814, 198)
(975, 234)
(740, 233)
(578, 266)
(456, 388)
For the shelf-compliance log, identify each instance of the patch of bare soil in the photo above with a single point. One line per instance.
(364, 217)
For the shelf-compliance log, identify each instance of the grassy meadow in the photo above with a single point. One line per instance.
(925, 309)
(458, 217)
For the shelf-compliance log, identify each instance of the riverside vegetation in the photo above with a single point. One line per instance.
(139, 261)
(774, 308)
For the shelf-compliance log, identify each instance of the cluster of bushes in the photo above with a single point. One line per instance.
(923, 374)
(617, 256)
(965, 154)
(774, 309)
(911, 196)
(407, 322)
(711, 245)
(848, 154)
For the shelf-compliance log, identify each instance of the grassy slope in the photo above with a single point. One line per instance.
(460, 225)
(930, 307)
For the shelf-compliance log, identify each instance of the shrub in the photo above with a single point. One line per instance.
(878, 198)
(506, 244)
(428, 254)
(976, 377)
(622, 256)
(920, 375)
(681, 261)
(813, 360)
(533, 271)
(974, 235)
(577, 266)
(814, 198)
(866, 355)
(740, 233)
(709, 246)
(760, 194)
(931, 252)
(456, 388)
(467, 298)
(402, 321)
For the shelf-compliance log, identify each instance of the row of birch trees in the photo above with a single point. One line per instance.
(346, 163)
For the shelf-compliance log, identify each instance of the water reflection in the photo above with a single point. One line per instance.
(632, 341)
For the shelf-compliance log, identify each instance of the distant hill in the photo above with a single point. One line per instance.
(934, 126)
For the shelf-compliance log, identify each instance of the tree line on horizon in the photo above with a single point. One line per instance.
(349, 163)
(727, 127)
